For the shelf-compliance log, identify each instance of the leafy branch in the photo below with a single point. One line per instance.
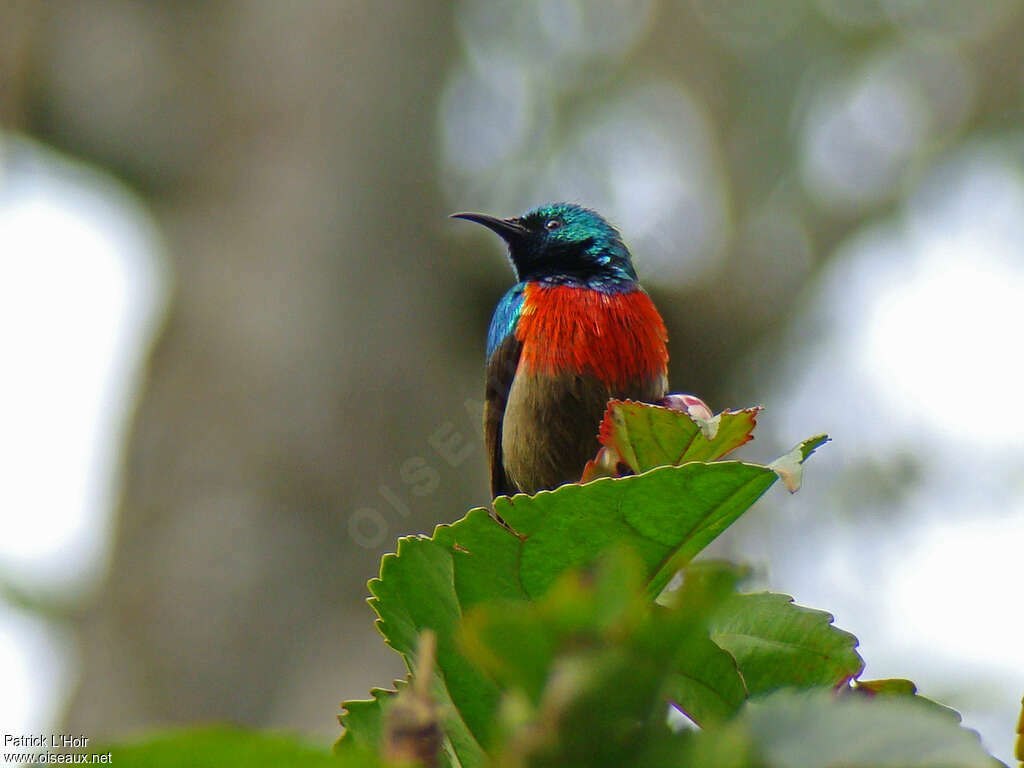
(544, 633)
(557, 643)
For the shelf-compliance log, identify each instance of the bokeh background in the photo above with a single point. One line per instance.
(238, 327)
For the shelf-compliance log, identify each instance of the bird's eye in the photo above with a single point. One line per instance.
(552, 224)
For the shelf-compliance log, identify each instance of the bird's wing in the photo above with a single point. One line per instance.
(503, 350)
(501, 369)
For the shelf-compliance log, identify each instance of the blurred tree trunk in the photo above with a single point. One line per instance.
(287, 151)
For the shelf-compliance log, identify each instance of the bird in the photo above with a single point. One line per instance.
(575, 330)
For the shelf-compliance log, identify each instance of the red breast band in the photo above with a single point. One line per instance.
(618, 337)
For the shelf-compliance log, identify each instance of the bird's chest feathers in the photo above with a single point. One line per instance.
(618, 337)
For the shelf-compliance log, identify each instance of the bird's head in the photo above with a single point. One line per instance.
(561, 240)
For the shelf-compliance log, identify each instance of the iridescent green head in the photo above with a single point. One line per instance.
(561, 241)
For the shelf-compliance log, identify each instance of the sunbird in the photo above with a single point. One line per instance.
(575, 330)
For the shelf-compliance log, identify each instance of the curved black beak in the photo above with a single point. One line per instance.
(510, 230)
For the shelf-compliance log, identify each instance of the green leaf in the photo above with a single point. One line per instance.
(645, 436)
(705, 683)
(777, 643)
(516, 642)
(816, 728)
(596, 661)
(513, 644)
(364, 720)
(226, 747)
(416, 591)
(902, 688)
(588, 658)
(727, 746)
(666, 515)
(655, 436)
